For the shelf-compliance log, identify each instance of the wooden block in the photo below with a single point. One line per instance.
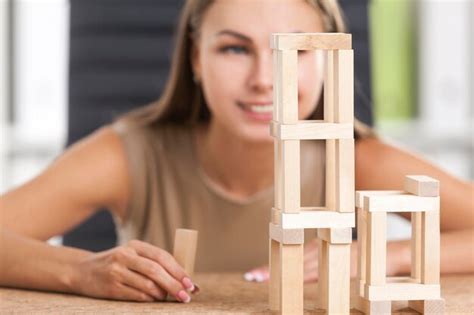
(310, 41)
(321, 298)
(397, 291)
(276, 216)
(336, 236)
(291, 285)
(345, 175)
(373, 307)
(376, 248)
(428, 307)
(329, 118)
(317, 218)
(416, 239)
(400, 203)
(185, 245)
(290, 176)
(276, 85)
(362, 250)
(288, 79)
(278, 173)
(286, 236)
(339, 269)
(430, 247)
(275, 273)
(344, 86)
(311, 130)
(360, 194)
(422, 186)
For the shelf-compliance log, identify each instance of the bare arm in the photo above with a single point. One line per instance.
(380, 166)
(91, 175)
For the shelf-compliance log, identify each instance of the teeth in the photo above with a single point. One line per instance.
(261, 108)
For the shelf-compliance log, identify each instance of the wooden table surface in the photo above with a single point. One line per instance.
(220, 293)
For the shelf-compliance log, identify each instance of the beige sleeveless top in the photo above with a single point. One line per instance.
(169, 190)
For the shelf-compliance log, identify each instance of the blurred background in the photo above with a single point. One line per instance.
(67, 67)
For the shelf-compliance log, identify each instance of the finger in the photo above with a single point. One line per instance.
(160, 276)
(163, 258)
(126, 293)
(143, 284)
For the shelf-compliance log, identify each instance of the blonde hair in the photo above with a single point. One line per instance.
(182, 100)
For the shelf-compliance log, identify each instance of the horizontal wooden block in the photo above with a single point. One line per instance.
(311, 130)
(310, 41)
(372, 307)
(336, 236)
(428, 307)
(400, 203)
(402, 289)
(286, 236)
(360, 194)
(310, 218)
(423, 186)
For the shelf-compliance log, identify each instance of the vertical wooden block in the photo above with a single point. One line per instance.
(288, 76)
(278, 174)
(344, 86)
(329, 117)
(345, 175)
(322, 297)
(430, 248)
(362, 248)
(291, 285)
(373, 307)
(376, 248)
(275, 272)
(416, 238)
(276, 85)
(420, 185)
(185, 245)
(428, 307)
(338, 269)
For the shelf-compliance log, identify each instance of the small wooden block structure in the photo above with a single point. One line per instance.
(422, 288)
(337, 217)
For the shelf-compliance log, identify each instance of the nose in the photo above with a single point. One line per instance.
(261, 76)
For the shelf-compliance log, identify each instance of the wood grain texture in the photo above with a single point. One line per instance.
(430, 247)
(185, 246)
(376, 269)
(423, 186)
(221, 293)
(416, 239)
(310, 41)
(286, 236)
(311, 130)
(291, 283)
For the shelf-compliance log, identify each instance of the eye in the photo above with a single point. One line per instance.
(235, 49)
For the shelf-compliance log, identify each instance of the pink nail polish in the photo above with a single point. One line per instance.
(188, 284)
(184, 297)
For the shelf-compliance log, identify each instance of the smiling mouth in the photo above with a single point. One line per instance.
(256, 108)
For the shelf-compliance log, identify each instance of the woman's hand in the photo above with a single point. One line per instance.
(136, 271)
(311, 262)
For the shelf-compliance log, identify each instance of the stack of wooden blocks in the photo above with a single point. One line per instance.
(422, 288)
(289, 219)
(335, 220)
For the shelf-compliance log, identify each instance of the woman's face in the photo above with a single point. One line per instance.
(233, 60)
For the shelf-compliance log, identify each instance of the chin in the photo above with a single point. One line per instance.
(259, 133)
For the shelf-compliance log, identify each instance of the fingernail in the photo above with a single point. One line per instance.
(248, 276)
(184, 297)
(188, 284)
(196, 289)
(259, 277)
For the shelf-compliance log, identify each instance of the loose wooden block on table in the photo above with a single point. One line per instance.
(421, 185)
(185, 245)
(310, 41)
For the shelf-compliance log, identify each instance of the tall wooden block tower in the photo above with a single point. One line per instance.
(335, 220)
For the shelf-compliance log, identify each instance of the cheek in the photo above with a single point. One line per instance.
(310, 80)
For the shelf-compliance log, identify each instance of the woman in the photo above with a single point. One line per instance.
(201, 157)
